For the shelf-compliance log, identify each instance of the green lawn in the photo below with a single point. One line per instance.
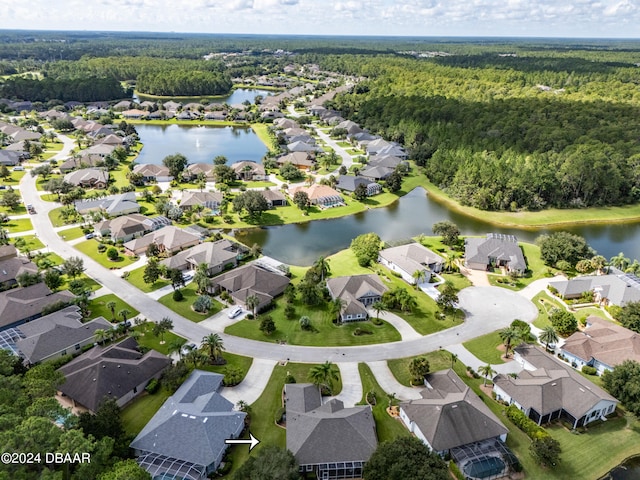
(459, 281)
(536, 269)
(90, 248)
(137, 413)
(33, 243)
(57, 219)
(89, 283)
(13, 179)
(135, 277)
(41, 181)
(18, 225)
(19, 210)
(325, 332)
(544, 302)
(486, 348)
(438, 360)
(183, 307)
(387, 427)
(233, 360)
(149, 340)
(71, 233)
(98, 307)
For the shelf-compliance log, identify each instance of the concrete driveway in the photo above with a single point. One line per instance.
(495, 305)
(250, 389)
(351, 384)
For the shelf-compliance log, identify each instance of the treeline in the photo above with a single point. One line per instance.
(493, 139)
(86, 89)
(184, 83)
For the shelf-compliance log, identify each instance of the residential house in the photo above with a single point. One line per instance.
(376, 173)
(111, 205)
(122, 105)
(186, 438)
(219, 115)
(321, 195)
(388, 161)
(274, 198)
(102, 150)
(193, 170)
(153, 173)
(300, 146)
(300, 160)
(612, 289)
(56, 335)
(128, 227)
(393, 150)
(210, 200)
(450, 415)
(218, 256)
(349, 183)
(249, 171)
(350, 126)
(10, 158)
(134, 113)
(171, 106)
(357, 292)
(247, 281)
(110, 139)
(169, 239)
(7, 252)
(88, 178)
(284, 123)
(12, 266)
(75, 163)
(495, 250)
(120, 371)
(602, 345)
(409, 259)
(330, 441)
(548, 388)
(160, 115)
(23, 304)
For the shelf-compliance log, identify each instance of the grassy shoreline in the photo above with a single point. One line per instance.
(552, 217)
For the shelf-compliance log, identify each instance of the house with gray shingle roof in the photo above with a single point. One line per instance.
(613, 289)
(12, 267)
(329, 440)
(247, 170)
(376, 172)
(23, 304)
(126, 227)
(495, 250)
(186, 437)
(349, 183)
(357, 292)
(88, 178)
(450, 415)
(274, 198)
(57, 334)
(409, 259)
(218, 256)
(111, 205)
(210, 200)
(602, 345)
(120, 371)
(169, 239)
(153, 173)
(548, 389)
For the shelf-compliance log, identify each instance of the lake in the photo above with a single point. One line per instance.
(302, 244)
(200, 144)
(628, 470)
(236, 97)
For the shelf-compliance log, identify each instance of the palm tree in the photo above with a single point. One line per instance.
(548, 335)
(454, 359)
(335, 307)
(619, 261)
(124, 314)
(322, 265)
(324, 374)
(252, 303)
(175, 346)
(450, 264)
(214, 343)
(161, 327)
(379, 307)
(598, 263)
(101, 335)
(112, 306)
(196, 356)
(419, 276)
(509, 336)
(486, 371)
(392, 398)
(201, 277)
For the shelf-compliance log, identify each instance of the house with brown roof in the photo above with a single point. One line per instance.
(194, 169)
(127, 227)
(23, 304)
(250, 280)
(218, 256)
(210, 200)
(357, 292)
(274, 198)
(169, 239)
(602, 345)
(409, 259)
(322, 195)
(548, 389)
(153, 173)
(247, 171)
(87, 161)
(450, 415)
(328, 439)
(120, 371)
(300, 160)
(88, 178)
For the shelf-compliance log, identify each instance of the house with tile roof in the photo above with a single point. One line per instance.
(23, 304)
(111, 205)
(495, 250)
(186, 438)
(248, 171)
(450, 415)
(169, 239)
(218, 256)
(250, 280)
(194, 169)
(300, 160)
(322, 195)
(548, 389)
(612, 289)
(119, 371)
(88, 178)
(409, 259)
(358, 292)
(602, 345)
(328, 440)
(56, 335)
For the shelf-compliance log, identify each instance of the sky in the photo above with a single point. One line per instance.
(516, 18)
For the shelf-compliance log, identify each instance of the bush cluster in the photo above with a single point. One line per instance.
(524, 423)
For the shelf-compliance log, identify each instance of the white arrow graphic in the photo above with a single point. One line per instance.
(252, 442)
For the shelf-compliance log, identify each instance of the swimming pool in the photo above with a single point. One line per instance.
(483, 468)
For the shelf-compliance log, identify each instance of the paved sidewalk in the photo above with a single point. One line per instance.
(351, 384)
(253, 384)
(469, 359)
(538, 286)
(406, 331)
(389, 384)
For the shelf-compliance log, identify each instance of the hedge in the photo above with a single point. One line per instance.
(524, 423)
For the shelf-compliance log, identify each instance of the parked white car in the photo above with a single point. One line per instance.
(235, 311)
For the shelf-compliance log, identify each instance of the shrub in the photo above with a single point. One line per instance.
(249, 316)
(305, 323)
(362, 331)
(102, 248)
(279, 416)
(455, 470)
(289, 311)
(232, 376)
(290, 378)
(586, 369)
(202, 304)
(153, 386)
(267, 325)
(177, 296)
(112, 254)
(524, 423)
(371, 397)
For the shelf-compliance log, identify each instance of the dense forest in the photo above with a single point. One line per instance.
(502, 132)
(82, 89)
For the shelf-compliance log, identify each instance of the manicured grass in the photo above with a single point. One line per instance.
(90, 248)
(438, 360)
(459, 281)
(387, 427)
(264, 409)
(138, 413)
(261, 184)
(50, 257)
(33, 243)
(89, 283)
(71, 233)
(149, 340)
(345, 263)
(98, 307)
(19, 210)
(544, 302)
(262, 131)
(41, 181)
(486, 348)
(57, 220)
(49, 197)
(135, 277)
(325, 332)
(183, 307)
(13, 179)
(240, 362)
(583, 313)
(18, 225)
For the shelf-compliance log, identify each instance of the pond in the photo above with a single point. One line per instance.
(302, 244)
(236, 97)
(627, 470)
(200, 144)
